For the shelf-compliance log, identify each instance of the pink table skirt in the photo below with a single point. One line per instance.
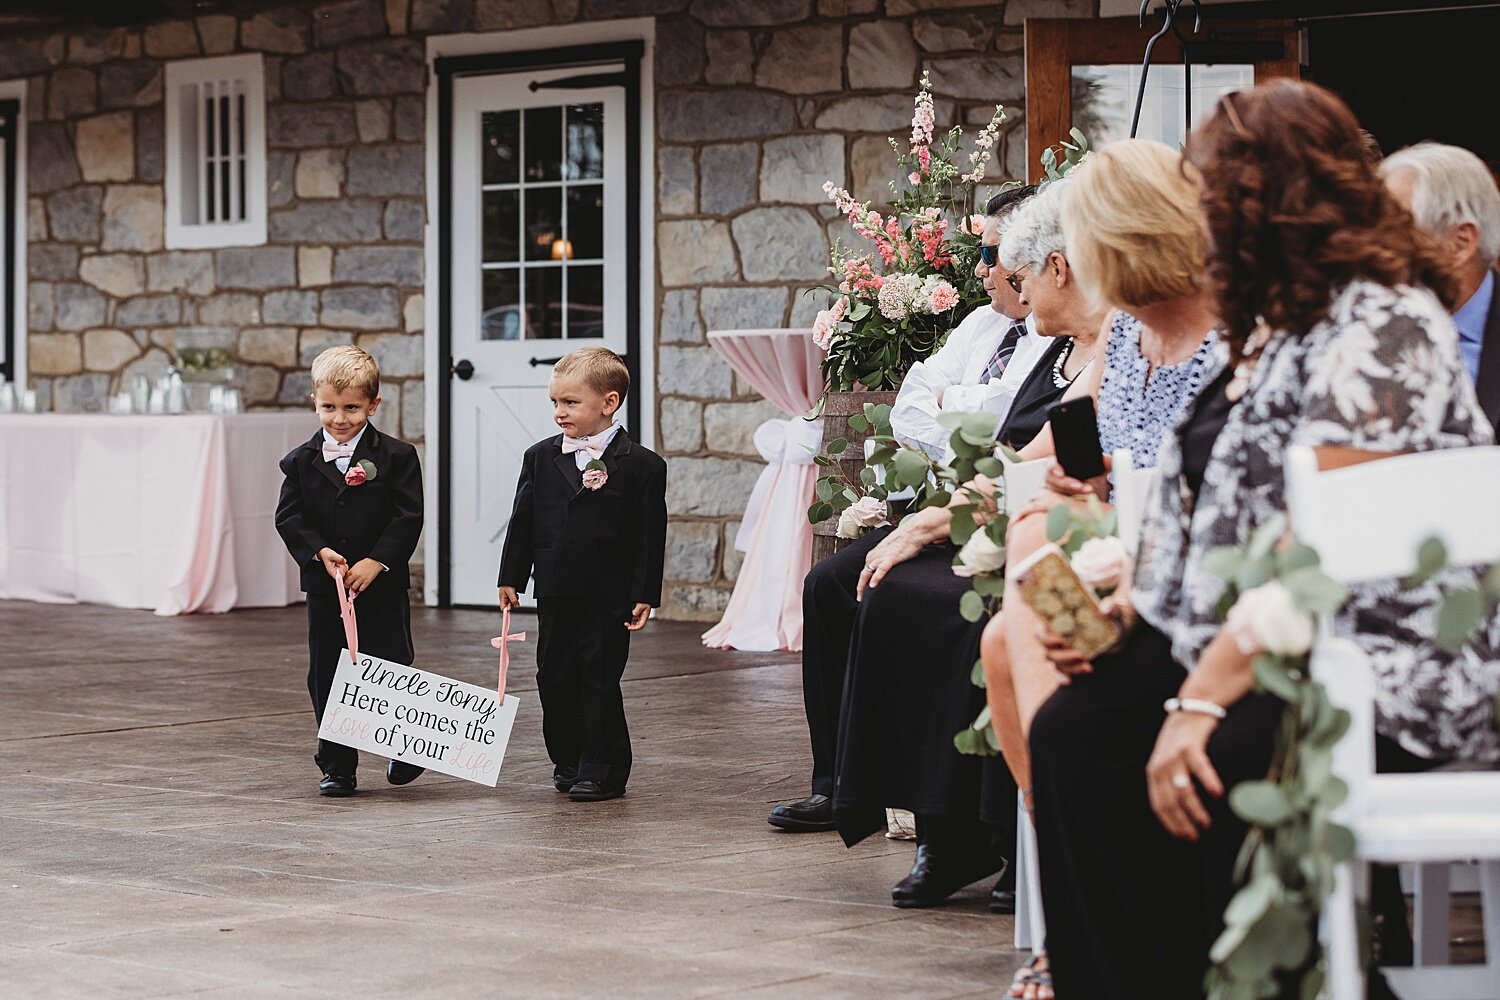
(171, 513)
(765, 610)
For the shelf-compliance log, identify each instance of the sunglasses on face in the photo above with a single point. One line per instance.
(990, 256)
(1013, 281)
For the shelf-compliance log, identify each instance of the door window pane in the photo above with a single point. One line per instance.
(502, 226)
(544, 224)
(586, 221)
(544, 302)
(543, 144)
(585, 301)
(1104, 99)
(501, 318)
(501, 152)
(585, 141)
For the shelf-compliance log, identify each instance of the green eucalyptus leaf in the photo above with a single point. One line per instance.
(859, 423)
(976, 673)
(867, 477)
(989, 467)
(911, 466)
(822, 460)
(987, 585)
(1315, 591)
(836, 446)
(824, 488)
(1059, 522)
(1294, 557)
(1260, 802)
(841, 502)
(1272, 675)
(971, 606)
(1459, 615)
(1252, 900)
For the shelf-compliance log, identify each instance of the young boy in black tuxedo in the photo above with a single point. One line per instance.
(589, 527)
(351, 507)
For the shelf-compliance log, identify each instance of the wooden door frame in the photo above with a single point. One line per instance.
(1055, 45)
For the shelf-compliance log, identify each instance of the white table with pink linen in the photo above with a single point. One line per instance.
(171, 513)
(765, 610)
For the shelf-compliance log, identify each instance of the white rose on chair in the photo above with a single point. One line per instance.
(1267, 618)
(866, 512)
(1100, 562)
(979, 555)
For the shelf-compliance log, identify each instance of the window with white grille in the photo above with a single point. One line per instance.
(216, 152)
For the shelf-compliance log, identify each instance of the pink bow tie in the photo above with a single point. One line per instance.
(333, 450)
(588, 444)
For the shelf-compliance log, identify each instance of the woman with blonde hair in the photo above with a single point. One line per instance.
(1135, 247)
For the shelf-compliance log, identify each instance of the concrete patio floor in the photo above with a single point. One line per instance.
(161, 835)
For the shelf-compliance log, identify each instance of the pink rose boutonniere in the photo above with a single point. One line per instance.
(360, 472)
(594, 476)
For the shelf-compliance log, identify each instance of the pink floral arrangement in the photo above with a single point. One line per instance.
(593, 479)
(894, 304)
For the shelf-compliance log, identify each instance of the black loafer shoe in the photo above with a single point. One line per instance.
(813, 814)
(564, 781)
(1003, 901)
(399, 772)
(935, 877)
(336, 786)
(589, 790)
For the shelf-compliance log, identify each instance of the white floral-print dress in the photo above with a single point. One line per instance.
(1381, 373)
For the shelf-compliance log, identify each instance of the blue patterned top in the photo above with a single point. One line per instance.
(1138, 406)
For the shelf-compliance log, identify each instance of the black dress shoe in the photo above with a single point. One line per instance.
(336, 786)
(589, 790)
(564, 781)
(934, 877)
(399, 772)
(813, 814)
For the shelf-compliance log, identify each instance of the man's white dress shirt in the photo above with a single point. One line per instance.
(953, 375)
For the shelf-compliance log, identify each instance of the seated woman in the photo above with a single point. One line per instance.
(1336, 344)
(1129, 215)
(907, 688)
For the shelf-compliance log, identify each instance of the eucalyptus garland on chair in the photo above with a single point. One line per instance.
(1285, 869)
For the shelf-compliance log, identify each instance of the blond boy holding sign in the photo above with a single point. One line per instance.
(351, 510)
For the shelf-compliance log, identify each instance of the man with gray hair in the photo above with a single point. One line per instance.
(1454, 197)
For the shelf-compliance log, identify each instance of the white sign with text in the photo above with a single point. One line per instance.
(418, 717)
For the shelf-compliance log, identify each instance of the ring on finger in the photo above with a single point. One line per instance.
(1181, 781)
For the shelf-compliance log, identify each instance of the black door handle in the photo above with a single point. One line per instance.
(543, 361)
(464, 370)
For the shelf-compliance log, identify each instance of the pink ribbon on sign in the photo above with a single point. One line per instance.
(502, 643)
(351, 624)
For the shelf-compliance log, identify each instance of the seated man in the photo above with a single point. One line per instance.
(983, 363)
(1453, 196)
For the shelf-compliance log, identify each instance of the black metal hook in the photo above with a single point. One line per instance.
(1169, 24)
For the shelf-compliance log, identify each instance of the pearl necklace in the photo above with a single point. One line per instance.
(1060, 380)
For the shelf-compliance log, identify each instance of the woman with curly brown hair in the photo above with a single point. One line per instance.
(1338, 338)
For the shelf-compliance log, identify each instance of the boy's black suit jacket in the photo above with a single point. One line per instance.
(606, 544)
(379, 519)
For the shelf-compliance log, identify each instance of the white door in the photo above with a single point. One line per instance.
(539, 269)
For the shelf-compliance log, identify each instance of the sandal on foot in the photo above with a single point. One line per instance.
(1030, 982)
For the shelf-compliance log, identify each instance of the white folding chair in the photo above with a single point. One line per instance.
(1367, 522)
(1132, 491)
(1023, 480)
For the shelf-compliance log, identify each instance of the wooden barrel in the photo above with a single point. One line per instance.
(837, 410)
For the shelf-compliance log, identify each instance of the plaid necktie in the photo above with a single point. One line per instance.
(1007, 347)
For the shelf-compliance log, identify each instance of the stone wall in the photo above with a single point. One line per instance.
(757, 103)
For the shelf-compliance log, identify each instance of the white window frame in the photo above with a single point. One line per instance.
(249, 68)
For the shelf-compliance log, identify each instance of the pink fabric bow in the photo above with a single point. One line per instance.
(333, 450)
(501, 642)
(351, 624)
(592, 445)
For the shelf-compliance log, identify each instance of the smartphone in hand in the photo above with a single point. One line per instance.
(1075, 438)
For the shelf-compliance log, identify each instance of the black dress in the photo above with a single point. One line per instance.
(907, 687)
(1043, 387)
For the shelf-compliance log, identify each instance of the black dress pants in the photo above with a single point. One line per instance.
(581, 651)
(828, 612)
(384, 617)
(1131, 910)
